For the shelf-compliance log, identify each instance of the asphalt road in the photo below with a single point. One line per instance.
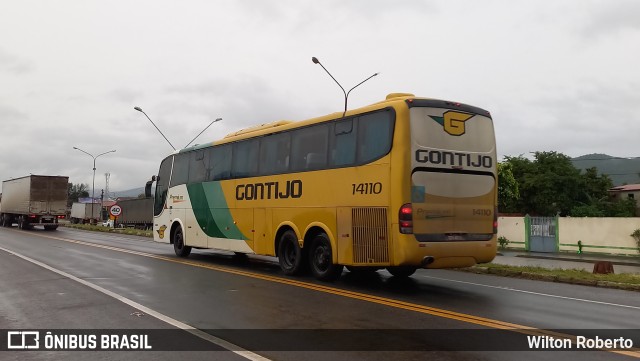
(76, 280)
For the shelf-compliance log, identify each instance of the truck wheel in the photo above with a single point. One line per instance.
(321, 259)
(178, 244)
(50, 228)
(23, 223)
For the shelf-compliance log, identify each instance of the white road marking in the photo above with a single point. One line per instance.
(534, 293)
(173, 322)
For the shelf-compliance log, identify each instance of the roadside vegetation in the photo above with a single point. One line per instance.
(129, 231)
(550, 185)
(624, 280)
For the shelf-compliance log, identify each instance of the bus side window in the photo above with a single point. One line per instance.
(274, 153)
(198, 166)
(245, 159)
(374, 136)
(180, 173)
(220, 162)
(343, 143)
(309, 148)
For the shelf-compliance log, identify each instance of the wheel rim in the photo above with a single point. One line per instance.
(178, 240)
(288, 255)
(321, 258)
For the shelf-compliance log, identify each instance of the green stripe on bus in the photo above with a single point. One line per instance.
(211, 211)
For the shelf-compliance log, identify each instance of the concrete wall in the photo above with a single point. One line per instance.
(514, 229)
(597, 235)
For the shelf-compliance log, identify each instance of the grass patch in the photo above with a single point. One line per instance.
(560, 275)
(129, 231)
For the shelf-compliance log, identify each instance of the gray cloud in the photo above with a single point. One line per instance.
(14, 64)
(611, 18)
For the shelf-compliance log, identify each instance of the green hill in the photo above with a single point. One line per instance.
(620, 170)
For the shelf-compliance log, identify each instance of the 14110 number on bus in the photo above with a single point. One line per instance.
(366, 188)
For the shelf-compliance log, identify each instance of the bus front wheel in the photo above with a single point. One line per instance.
(321, 259)
(179, 247)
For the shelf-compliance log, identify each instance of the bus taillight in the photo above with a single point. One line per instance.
(405, 217)
(495, 220)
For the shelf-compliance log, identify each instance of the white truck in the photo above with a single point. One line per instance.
(85, 212)
(34, 200)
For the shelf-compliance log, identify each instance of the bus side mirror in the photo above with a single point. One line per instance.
(147, 187)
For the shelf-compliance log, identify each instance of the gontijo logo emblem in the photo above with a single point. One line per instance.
(453, 122)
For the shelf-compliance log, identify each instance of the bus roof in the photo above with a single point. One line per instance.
(281, 125)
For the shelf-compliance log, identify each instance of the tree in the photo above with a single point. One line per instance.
(594, 186)
(549, 185)
(594, 198)
(554, 184)
(508, 190)
(621, 208)
(520, 167)
(76, 191)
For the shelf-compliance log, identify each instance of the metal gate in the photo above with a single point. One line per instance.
(542, 234)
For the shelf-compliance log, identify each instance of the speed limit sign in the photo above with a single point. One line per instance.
(115, 210)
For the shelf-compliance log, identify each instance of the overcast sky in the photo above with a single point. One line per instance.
(556, 75)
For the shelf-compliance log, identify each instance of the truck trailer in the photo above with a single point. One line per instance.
(85, 212)
(34, 200)
(137, 213)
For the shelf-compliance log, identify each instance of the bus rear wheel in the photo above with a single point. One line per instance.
(179, 247)
(290, 254)
(321, 259)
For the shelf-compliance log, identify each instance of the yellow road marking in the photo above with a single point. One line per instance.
(477, 320)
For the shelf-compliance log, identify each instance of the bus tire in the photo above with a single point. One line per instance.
(321, 259)
(290, 254)
(401, 271)
(179, 247)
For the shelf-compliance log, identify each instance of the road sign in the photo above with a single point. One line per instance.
(115, 210)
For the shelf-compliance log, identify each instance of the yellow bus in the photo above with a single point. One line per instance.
(401, 184)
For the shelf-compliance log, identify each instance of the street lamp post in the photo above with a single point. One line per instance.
(93, 186)
(346, 93)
